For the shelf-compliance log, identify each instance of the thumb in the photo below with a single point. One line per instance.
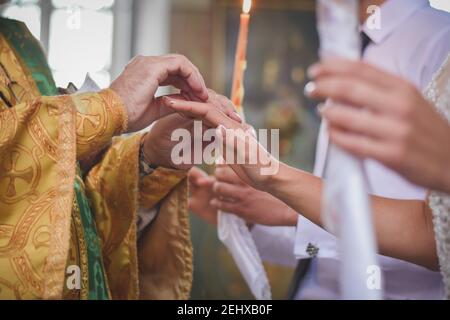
(195, 174)
(206, 181)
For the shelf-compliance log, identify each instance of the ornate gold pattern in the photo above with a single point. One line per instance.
(99, 118)
(55, 262)
(16, 182)
(41, 138)
(156, 186)
(6, 231)
(36, 180)
(165, 254)
(165, 251)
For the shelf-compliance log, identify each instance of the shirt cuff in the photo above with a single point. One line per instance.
(119, 111)
(99, 117)
(275, 244)
(313, 241)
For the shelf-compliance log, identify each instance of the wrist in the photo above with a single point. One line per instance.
(291, 217)
(148, 155)
(276, 182)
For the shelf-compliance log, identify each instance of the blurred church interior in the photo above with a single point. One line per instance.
(99, 37)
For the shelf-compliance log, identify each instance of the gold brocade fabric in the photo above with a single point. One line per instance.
(41, 139)
(164, 251)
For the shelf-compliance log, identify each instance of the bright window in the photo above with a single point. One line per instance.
(80, 40)
(27, 11)
(79, 37)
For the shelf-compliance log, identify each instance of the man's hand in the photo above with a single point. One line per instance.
(140, 80)
(381, 116)
(201, 189)
(232, 195)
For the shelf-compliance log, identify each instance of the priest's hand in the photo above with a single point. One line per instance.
(389, 121)
(158, 145)
(232, 195)
(138, 83)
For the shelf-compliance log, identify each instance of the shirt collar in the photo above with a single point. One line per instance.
(393, 13)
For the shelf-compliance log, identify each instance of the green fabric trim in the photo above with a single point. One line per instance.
(31, 53)
(97, 279)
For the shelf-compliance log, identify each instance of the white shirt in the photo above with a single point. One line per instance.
(413, 42)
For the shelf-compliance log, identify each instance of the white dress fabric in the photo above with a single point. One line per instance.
(438, 92)
(413, 44)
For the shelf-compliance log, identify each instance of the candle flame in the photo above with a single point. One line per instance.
(246, 6)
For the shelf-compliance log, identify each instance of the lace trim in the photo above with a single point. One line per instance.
(440, 206)
(438, 92)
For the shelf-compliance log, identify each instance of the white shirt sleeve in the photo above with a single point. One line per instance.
(275, 244)
(145, 217)
(435, 51)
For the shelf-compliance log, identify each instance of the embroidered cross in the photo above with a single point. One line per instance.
(83, 119)
(12, 173)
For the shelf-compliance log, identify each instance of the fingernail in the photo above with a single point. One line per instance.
(205, 95)
(313, 70)
(251, 131)
(214, 203)
(169, 101)
(221, 130)
(321, 108)
(309, 88)
(236, 117)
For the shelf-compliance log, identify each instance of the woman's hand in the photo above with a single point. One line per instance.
(240, 148)
(214, 112)
(380, 116)
(247, 157)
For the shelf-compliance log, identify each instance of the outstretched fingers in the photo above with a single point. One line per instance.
(206, 112)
